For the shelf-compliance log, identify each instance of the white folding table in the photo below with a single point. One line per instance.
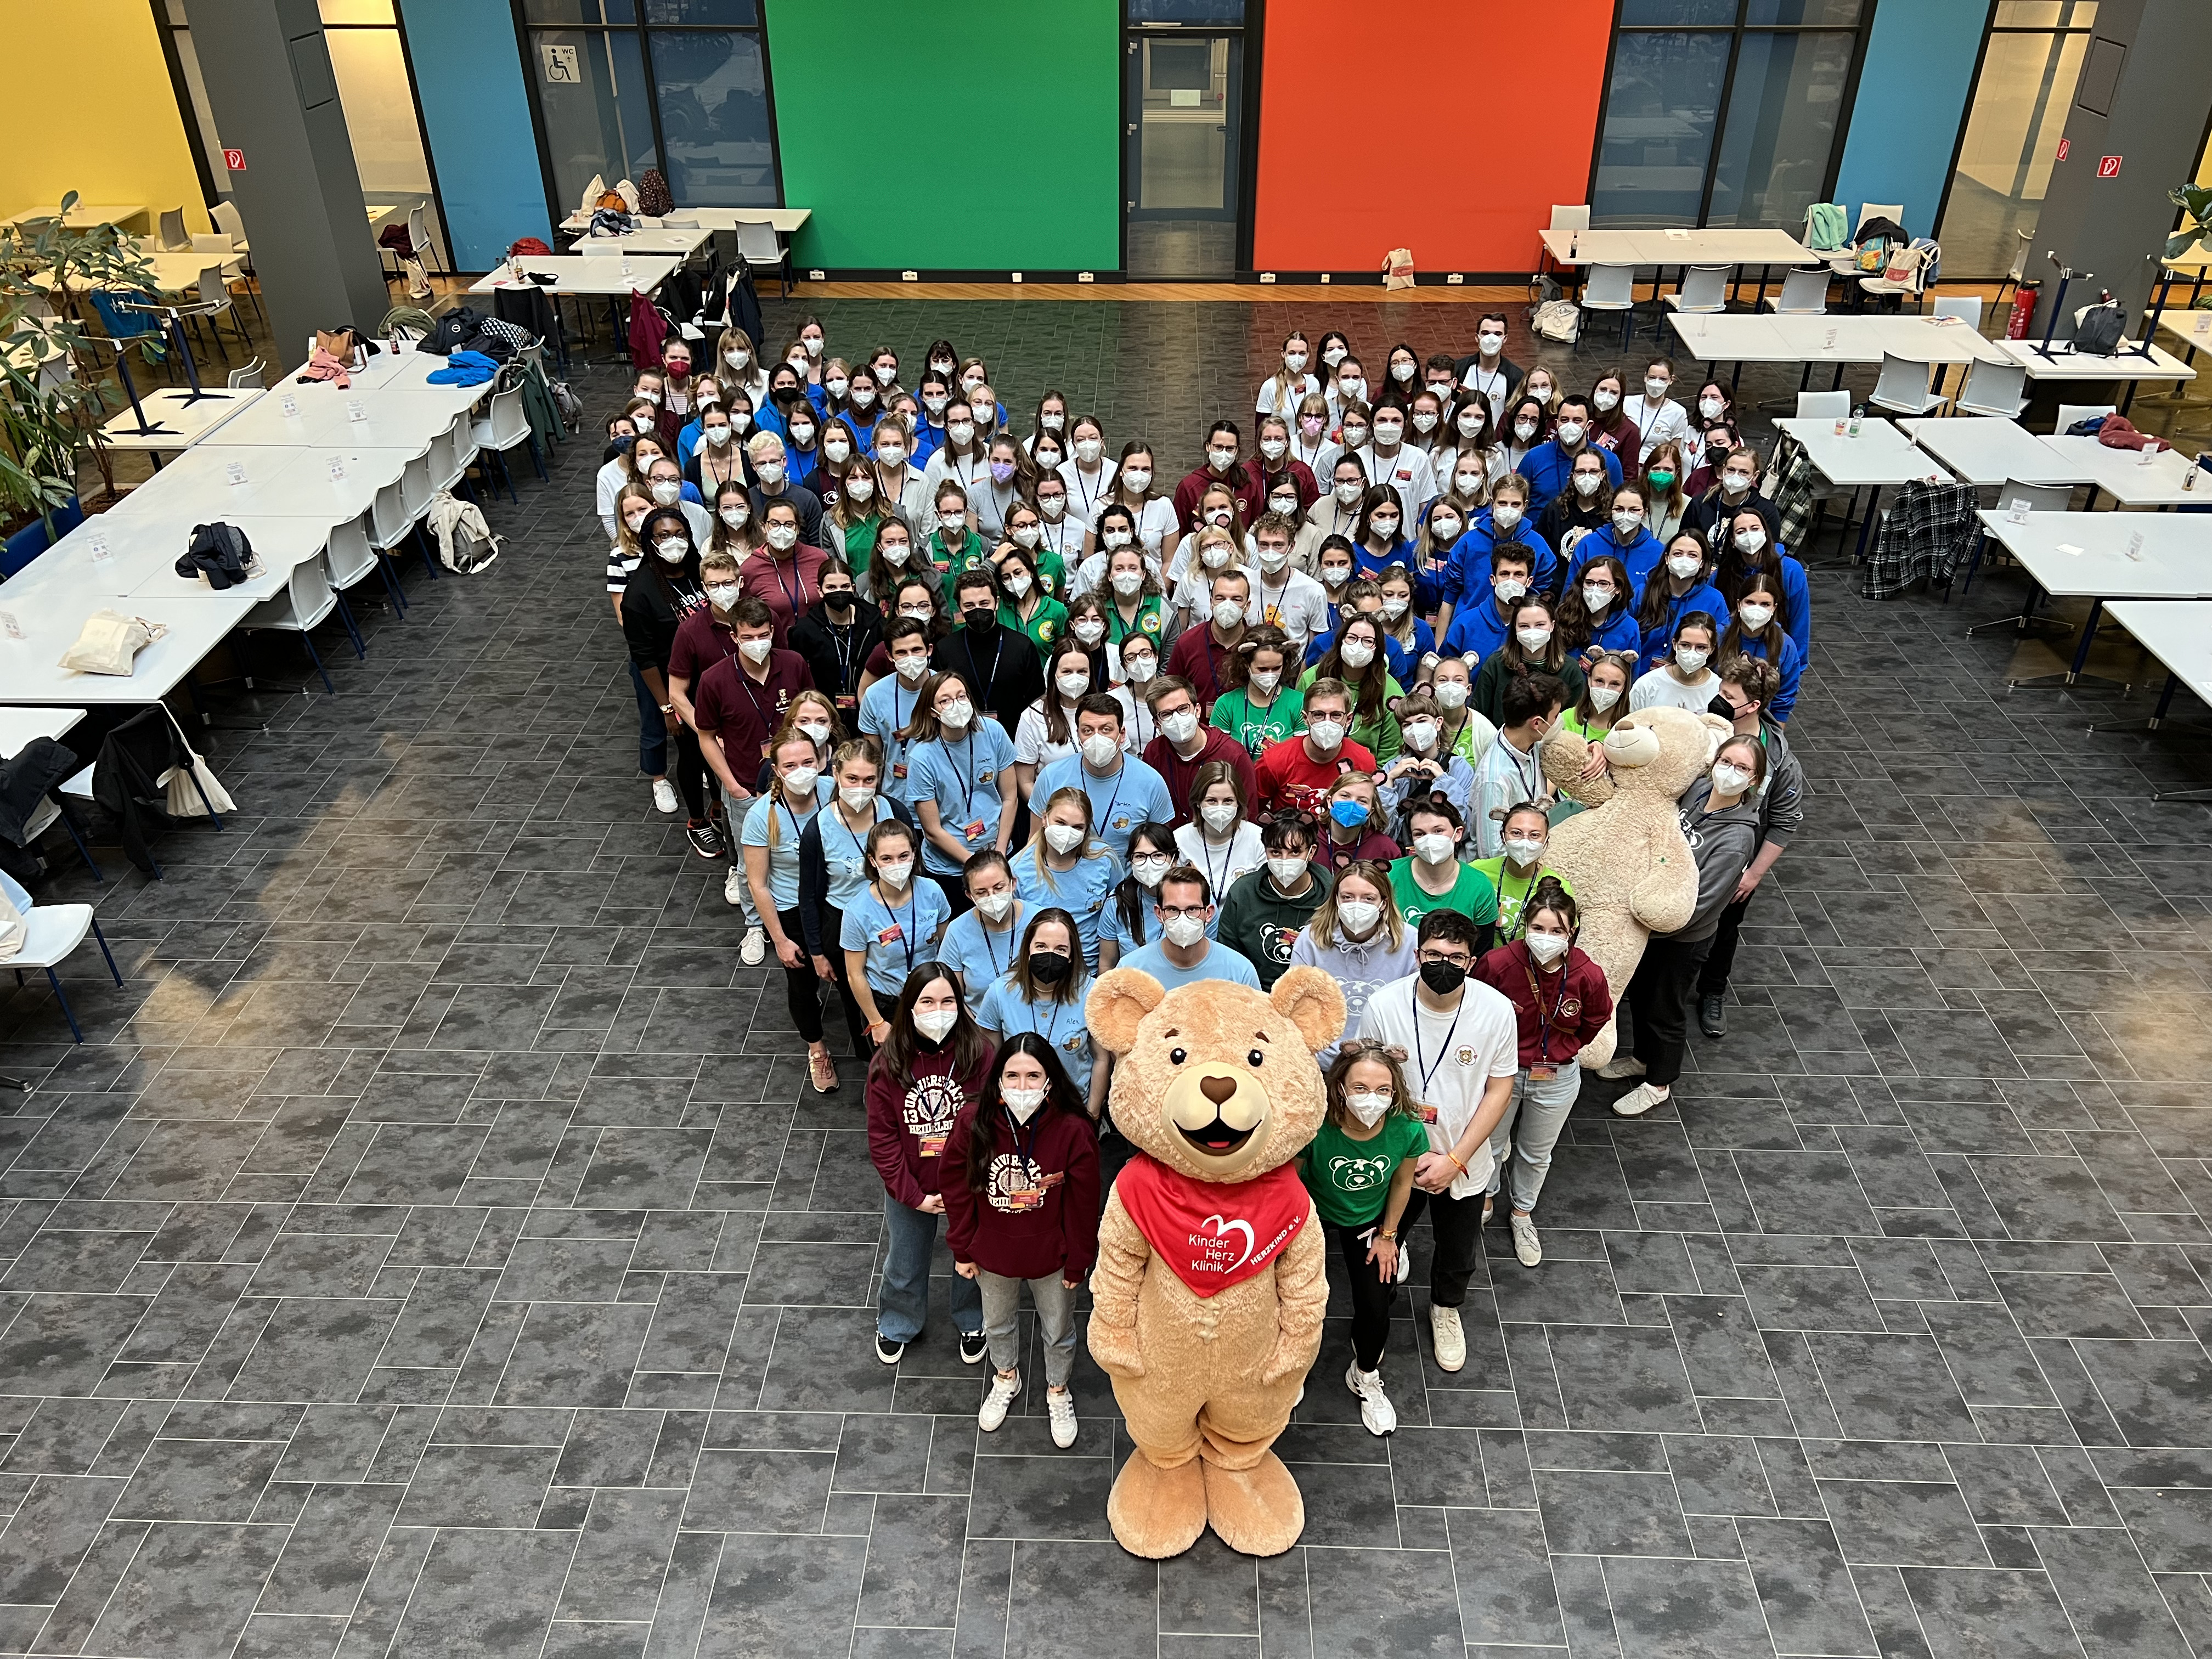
(1879, 455)
(672, 241)
(2100, 557)
(83, 216)
(2126, 476)
(1984, 450)
(21, 727)
(2128, 365)
(2177, 633)
(52, 616)
(1660, 249)
(786, 219)
(610, 276)
(179, 418)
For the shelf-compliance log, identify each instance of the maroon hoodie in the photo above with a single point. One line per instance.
(1007, 1232)
(1580, 1008)
(910, 1120)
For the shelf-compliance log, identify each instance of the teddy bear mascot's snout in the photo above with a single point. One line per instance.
(1630, 865)
(1211, 1283)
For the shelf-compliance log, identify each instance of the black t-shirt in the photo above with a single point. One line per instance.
(1003, 668)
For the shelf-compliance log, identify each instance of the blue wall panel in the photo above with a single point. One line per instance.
(1911, 103)
(476, 112)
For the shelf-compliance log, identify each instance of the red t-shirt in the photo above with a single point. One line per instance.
(703, 640)
(1198, 657)
(744, 712)
(1289, 777)
(1373, 845)
(1195, 484)
(1178, 773)
(787, 585)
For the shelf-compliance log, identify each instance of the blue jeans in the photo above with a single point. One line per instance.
(652, 728)
(903, 1301)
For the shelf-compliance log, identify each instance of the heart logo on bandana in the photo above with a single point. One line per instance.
(1221, 1230)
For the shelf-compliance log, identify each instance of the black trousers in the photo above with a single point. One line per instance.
(802, 987)
(1713, 978)
(833, 929)
(1458, 1226)
(690, 773)
(1371, 1294)
(955, 889)
(1665, 982)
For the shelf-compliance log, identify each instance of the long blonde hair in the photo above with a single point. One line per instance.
(776, 796)
(1376, 875)
(1092, 847)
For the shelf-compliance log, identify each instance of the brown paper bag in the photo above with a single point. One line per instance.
(1398, 268)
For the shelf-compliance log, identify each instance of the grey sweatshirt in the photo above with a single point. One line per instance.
(1781, 803)
(1722, 843)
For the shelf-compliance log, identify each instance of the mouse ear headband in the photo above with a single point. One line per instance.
(1365, 1046)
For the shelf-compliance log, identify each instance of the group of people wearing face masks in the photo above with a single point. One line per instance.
(970, 715)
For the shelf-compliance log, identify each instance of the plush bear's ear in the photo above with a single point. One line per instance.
(1717, 732)
(1313, 1002)
(1117, 1005)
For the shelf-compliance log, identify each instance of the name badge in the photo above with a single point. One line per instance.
(932, 1145)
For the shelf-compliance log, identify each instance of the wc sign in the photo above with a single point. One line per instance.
(2108, 167)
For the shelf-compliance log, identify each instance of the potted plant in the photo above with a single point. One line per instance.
(2195, 201)
(49, 419)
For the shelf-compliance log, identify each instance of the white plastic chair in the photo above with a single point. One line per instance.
(1891, 210)
(1612, 287)
(52, 933)
(1968, 306)
(352, 558)
(49, 812)
(215, 292)
(2014, 277)
(227, 220)
(173, 237)
(1804, 293)
(251, 378)
(1904, 386)
(418, 233)
(1993, 388)
(448, 464)
(307, 600)
(758, 244)
(2037, 498)
(390, 522)
(1570, 218)
(506, 427)
(1704, 290)
(1823, 405)
(2069, 413)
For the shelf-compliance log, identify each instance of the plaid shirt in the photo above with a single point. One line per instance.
(1928, 530)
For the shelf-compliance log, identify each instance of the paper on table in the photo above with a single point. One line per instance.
(1678, 235)
(9, 626)
(2069, 547)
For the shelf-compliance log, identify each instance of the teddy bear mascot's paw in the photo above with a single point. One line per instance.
(1255, 1511)
(1114, 1347)
(1158, 1512)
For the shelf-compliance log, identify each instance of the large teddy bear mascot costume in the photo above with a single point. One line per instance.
(1207, 1302)
(1631, 869)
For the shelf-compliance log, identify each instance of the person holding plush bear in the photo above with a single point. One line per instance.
(1021, 1206)
(1465, 1047)
(1359, 1169)
(1560, 1000)
(932, 1062)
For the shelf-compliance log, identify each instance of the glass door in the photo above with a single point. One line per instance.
(1183, 118)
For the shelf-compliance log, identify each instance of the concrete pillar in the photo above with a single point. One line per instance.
(275, 97)
(2143, 97)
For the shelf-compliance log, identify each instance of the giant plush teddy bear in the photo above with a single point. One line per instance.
(1628, 859)
(1207, 1302)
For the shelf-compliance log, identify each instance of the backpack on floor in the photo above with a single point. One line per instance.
(1558, 320)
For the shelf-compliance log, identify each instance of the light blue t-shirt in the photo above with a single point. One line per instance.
(897, 938)
(845, 856)
(1220, 962)
(1060, 1023)
(963, 779)
(978, 955)
(783, 856)
(1081, 892)
(1134, 795)
(1111, 925)
(886, 707)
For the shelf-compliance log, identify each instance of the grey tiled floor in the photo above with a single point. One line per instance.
(434, 1250)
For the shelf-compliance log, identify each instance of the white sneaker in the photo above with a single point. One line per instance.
(752, 950)
(733, 886)
(1526, 1244)
(1640, 1100)
(1003, 1390)
(1405, 1263)
(664, 795)
(1376, 1410)
(1060, 1403)
(1622, 1066)
(1451, 1339)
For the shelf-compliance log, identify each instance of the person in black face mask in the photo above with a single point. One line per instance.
(1463, 1042)
(1000, 662)
(836, 636)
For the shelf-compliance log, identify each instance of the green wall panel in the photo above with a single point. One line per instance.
(959, 135)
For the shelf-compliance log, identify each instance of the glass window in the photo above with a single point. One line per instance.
(704, 13)
(1790, 14)
(712, 86)
(358, 11)
(598, 123)
(1782, 119)
(579, 11)
(2019, 114)
(1677, 14)
(1660, 112)
(2044, 14)
(380, 111)
(1187, 11)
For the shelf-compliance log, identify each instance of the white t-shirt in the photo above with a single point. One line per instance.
(1223, 865)
(1091, 575)
(1033, 745)
(1087, 492)
(1659, 688)
(1299, 606)
(1449, 1060)
(1156, 525)
(1409, 474)
(1664, 422)
(1282, 396)
(1064, 535)
(611, 479)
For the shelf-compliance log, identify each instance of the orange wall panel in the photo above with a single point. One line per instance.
(1453, 68)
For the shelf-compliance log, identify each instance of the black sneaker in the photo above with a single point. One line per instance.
(1712, 1017)
(973, 1348)
(889, 1352)
(705, 840)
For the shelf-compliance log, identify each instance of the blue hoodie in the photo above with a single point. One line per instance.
(1791, 664)
(1547, 468)
(1470, 558)
(1657, 640)
(1641, 555)
(1796, 618)
(1477, 628)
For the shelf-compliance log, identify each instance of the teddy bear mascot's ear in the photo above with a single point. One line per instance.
(1563, 755)
(1310, 1000)
(1117, 1005)
(1717, 732)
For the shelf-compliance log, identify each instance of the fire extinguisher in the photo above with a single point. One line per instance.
(2023, 310)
